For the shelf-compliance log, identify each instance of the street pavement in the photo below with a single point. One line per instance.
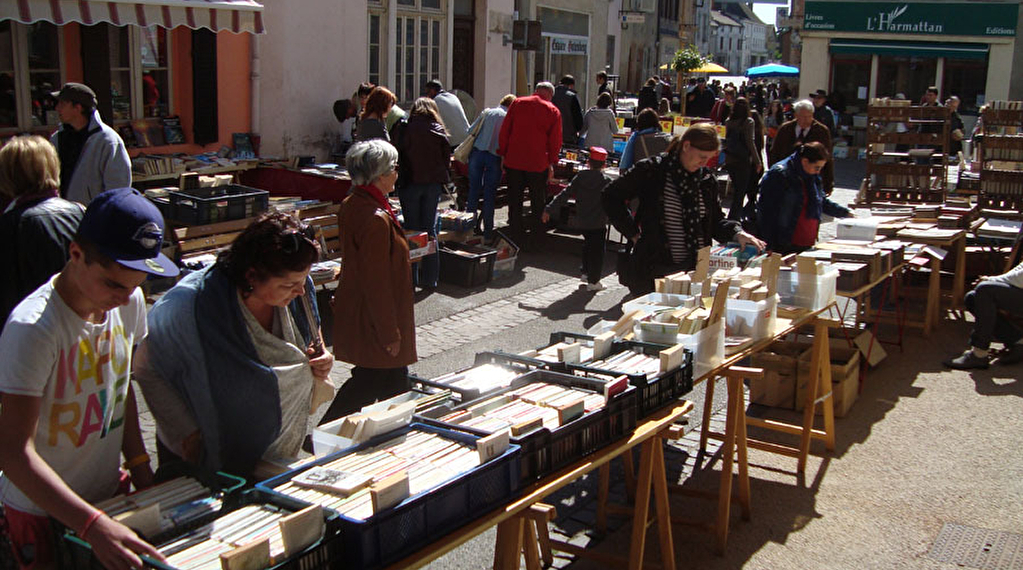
(922, 446)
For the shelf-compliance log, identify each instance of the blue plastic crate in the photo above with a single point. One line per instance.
(544, 451)
(420, 519)
(519, 364)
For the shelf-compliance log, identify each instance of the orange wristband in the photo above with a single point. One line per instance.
(136, 461)
(88, 524)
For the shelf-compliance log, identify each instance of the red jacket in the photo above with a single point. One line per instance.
(530, 134)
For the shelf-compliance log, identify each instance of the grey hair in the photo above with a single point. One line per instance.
(547, 85)
(804, 105)
(368, 160)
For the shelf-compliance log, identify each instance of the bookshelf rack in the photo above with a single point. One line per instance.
(894, 175)
(1001, 157)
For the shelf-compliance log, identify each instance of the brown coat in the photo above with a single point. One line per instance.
(373, 301)
(785, 144)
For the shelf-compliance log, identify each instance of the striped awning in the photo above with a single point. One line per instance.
(233, 15)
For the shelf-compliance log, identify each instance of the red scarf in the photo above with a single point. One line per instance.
(381, 201)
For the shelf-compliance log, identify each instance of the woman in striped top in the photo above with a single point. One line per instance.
(679, 211)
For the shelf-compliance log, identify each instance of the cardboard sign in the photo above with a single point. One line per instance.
(252, 556)
(602, 345)
(621, 122)
(301, 529)
(666, 126)
(390, 491)
(615, 387)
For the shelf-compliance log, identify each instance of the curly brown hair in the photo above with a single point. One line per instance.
(275, 244)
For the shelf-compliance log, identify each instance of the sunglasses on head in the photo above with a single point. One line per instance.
(291, 241)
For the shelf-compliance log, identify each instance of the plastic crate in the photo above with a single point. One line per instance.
(217, 204)
(325, 437)
(73, 552)
(420, 519)
(544, 451)
(466, 265)
(754, 319)
(652, 393)
(809, 291)
(519, 364)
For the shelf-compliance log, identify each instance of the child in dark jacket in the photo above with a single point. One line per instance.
(590, 218)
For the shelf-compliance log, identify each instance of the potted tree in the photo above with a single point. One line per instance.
(684, 62)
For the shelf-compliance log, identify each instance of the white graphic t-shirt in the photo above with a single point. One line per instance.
(81, 372)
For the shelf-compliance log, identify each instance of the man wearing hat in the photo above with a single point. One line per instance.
(92, 155)
(68, 411)
(823, 114)
(589, 219)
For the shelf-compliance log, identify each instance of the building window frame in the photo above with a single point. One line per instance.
(22, 75)
(381, 55)
(416, 61)
(136, 71)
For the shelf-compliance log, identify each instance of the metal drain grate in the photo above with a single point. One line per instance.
(978, 548)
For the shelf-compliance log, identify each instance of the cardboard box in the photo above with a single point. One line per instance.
(780, 363)
(845, 379)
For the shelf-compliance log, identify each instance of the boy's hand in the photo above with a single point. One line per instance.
(118, 547)
(545, 217)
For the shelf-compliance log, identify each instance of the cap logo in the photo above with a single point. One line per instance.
(149, 236)
(152, 264)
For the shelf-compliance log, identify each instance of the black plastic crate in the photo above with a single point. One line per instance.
(655, 392)
(466, 265)
(420, 519)
(74, 552)
(217, 204)
(520, 364)
(544, 451)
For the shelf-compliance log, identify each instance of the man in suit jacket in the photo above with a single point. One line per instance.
(803, 129)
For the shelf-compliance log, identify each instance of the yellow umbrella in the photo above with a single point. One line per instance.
(710, 67)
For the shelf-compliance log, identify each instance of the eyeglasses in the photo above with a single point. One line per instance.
(291, 241)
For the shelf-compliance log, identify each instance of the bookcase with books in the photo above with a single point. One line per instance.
(907, 154)
(1001, 157)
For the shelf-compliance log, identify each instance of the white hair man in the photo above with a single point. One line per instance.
(530, 141)
(799, 131)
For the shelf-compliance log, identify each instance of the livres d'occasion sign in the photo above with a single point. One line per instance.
(948, 19)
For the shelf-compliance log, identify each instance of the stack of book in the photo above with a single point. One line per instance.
(163, 507)
(423, 458)
(203, 547)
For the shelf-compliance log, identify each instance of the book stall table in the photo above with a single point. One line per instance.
(889, 279)
(954, 241)
(306, 185)
(514, 521)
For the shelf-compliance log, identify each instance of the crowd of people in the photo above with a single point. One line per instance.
(232, 360)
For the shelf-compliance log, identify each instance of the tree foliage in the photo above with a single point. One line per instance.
(688, 59)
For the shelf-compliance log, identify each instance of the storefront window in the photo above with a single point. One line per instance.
(910, 76)
(43, 71)
(8, 99)
(965, 78)
(850, 78)
(155, 72)
(120, 72)
(566, 48)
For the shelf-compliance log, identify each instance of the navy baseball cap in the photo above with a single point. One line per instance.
(126, 227)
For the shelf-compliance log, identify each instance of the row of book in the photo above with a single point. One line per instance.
(202, 548)
(1002, 187)
(1013, 154)
(532, 406)
(349, 484)
(163, 507)
(157, 164)
(483, 378)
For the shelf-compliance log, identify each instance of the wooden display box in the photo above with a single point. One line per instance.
(780, 364)
(871, 257)
(845, 379)
(851, 276)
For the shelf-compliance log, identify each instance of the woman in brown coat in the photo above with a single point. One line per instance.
(374, 324)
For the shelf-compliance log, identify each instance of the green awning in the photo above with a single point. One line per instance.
(918, 49)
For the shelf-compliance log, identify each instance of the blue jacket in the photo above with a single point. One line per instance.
(781, 200)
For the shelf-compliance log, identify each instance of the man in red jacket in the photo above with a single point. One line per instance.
(529, 142)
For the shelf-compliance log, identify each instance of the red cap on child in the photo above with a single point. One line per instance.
(598, 154)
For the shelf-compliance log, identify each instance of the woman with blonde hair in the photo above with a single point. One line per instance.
(37, 225)
(678, 213)
(373, 120)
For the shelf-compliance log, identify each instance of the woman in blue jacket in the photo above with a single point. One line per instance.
(792, 200)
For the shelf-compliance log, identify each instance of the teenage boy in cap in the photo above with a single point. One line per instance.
(590, 218)
(92, 155)
(823, 114)
(67, 412)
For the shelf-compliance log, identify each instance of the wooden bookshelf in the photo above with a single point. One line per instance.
(1001, 156)
(893, 174)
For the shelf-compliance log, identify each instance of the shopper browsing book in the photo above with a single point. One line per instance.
(995, 304)
(679, 211)
(68, 411)
(234, 352)
(374, 324)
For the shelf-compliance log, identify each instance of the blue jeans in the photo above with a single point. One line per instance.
(484, 175)
(419, 207)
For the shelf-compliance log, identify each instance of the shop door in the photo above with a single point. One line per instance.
(462, 55)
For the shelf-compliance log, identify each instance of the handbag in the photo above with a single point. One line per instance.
(625, 265)
(464, 149)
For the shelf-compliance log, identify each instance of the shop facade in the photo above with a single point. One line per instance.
(862, 50)
(147, 62)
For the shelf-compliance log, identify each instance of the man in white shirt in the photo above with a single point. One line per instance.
(451, 112)
(990, 302)
(68, 411)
